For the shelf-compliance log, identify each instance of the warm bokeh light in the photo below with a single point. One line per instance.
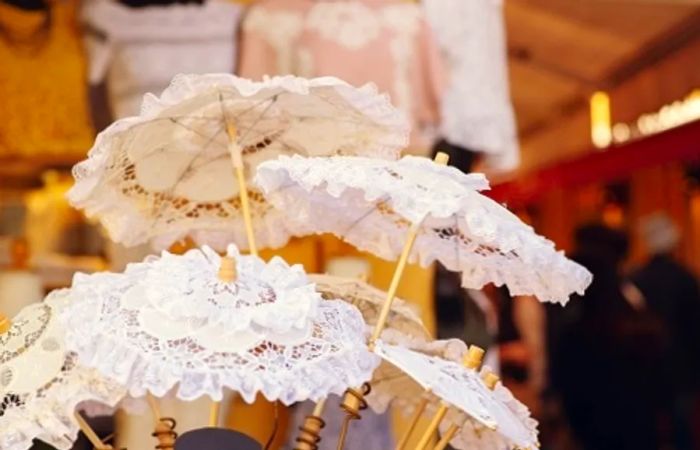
(601, 130)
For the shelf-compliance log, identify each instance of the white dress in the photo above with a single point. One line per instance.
(139, 50)
(476, 110)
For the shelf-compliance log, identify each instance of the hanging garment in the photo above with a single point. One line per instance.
(140, 50)
(476, 112)
(386, 42)
(44, 110)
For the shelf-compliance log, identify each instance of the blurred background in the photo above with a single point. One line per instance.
(585, 115)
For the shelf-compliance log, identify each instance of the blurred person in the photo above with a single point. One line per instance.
(605, 364)
(522, 346)
(670, 291)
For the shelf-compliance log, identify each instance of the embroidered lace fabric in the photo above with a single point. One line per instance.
(403, 326)
(476, 109)
(371, 204)
(149, 349)
(42, 384)
(167, 174)
(265, 297)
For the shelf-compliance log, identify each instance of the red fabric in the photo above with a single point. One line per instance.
(678, 144)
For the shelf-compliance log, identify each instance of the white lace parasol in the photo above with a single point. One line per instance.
(410, 375)
(265, 332)
(404, 326)
(515, 428)
(373, 204)
(167, 173)
(511, 410)
(42, 384)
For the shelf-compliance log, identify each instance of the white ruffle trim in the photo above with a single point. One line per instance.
(290, 368)
(271, 296)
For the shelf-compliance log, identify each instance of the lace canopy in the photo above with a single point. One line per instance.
(525, 428)
(42, 384)
(167, 173)
(171, 323)
(421, 374)
(403, 325)
(371, 204)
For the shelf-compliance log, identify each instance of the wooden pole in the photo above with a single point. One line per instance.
(214, 414)
(237, 162)
(433, 427)
(90, 433)
(441, 159)
(446, 438)
(412, 425)
(393, 287)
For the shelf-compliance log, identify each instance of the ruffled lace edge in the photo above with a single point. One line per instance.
(366, 99)
(290, 282)
(119, 361)
(53, 421)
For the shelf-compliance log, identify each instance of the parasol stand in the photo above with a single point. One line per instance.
(237, 161)
(164, 429)
(472, 360)
(353, 400)
(309, 435)
(5, 325)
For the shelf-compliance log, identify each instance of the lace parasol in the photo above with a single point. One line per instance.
(404, 326)
(511, 410)
(264, 331)
(42, 384)
(168, 174)
(374, 204)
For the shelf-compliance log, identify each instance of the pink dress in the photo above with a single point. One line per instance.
(386, 42)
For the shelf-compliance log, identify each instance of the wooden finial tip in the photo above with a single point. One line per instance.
(227, 269)
(474, 357)
(5, 324)
(491, 380)
(442, 158)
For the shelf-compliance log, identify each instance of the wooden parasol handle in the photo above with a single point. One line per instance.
(433, 427)
(237, 162)
(90, 433)
(446, 438)
(441, 159)
(310, 432)
(414, 422)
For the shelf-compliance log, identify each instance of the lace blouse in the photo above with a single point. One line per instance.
(139, 50)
